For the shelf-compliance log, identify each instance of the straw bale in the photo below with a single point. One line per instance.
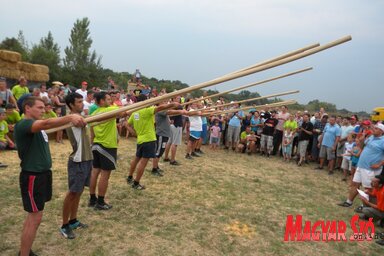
(41, 68)
(8, 64)
(27, 67)
(10, 73)
(10, 56)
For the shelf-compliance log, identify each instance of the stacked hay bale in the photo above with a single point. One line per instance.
(12, 67)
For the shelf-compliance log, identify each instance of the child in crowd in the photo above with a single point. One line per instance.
(5, 141)
(355, 153)
(215, 135)
(346, 164)
(287, 144)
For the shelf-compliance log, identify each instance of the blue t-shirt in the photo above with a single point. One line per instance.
(235, 121)
(329, 135)
(373, 153)
(255, 122)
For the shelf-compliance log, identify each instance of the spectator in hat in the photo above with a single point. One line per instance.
(370, 163)
(83, 90)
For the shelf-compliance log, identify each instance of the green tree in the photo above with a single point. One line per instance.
(47, 52)
(18, 44)
(80, 63)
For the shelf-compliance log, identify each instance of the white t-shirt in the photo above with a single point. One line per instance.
(43, 94)
(82, 93)
(196, 124)
(347, 148)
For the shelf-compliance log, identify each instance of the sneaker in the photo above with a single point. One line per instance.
(67, 233)
(268, 155)
(92, 203)
(330, 173)
(166, 160)
(78, 224)
(103, 206)
(195, 154)
(199, 151)
(188, 156)
(319, 168)
(157, 173)
(380, 242)
(138, 186)
(174, 163)
(159, 170)
(129, 180)
(345, 204)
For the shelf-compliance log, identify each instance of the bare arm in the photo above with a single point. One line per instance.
(50, 123)
(166, 106)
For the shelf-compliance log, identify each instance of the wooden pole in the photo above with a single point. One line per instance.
(248, 85)
(279, 57)
(253, 99)
(277, 104)
(218, 80)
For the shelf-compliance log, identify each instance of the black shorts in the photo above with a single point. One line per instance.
(36, 189)
(104, 158)
(160, 145)
(79, 174)
(146, 150)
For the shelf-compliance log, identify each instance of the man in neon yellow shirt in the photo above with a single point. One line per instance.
(143, 123)
(12, 116)
(104, 150)
(49, 113)
(20, 89)
(5, 141)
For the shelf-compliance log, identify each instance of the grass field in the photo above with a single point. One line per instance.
(220, 204)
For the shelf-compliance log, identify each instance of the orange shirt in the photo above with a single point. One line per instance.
(379, 193)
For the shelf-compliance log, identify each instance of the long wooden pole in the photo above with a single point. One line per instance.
(219, 80)
(277, 104)
(279, 57)
(248, 85)
(252, 99)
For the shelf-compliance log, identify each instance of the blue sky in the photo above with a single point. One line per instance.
(196, 41)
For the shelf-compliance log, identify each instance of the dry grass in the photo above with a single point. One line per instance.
(220, 204)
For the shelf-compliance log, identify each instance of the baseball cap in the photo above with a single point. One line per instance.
(84, 83)
(366, 122)
(380, 126)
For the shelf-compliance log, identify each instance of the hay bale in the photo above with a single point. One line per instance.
(10, 73)
(10, 56)
(8, 64)
(27, 67)
(39, 77)
(41, 68)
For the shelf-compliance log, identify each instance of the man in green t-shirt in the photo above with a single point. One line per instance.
(247, 141)
(36, 177)
(20, 89)
(104, 151)
(144, 125)
(13, 116)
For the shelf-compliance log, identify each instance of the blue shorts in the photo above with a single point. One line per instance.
(195, 135)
